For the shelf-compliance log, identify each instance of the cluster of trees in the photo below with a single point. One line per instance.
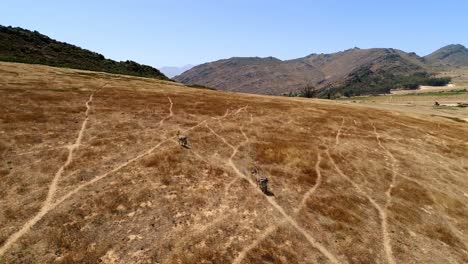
(413, 82)
(367, 83)
(199, 86)
(308, 91)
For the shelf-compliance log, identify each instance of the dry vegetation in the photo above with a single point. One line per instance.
(351, 184)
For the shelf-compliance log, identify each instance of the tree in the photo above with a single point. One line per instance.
(309, 91)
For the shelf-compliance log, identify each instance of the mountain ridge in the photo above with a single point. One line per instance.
(453, 55)
(270, 75)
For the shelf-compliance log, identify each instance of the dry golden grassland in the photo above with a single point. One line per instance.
(91, 172)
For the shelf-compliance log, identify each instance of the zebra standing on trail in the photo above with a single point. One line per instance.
(261, 180)
(183, 140)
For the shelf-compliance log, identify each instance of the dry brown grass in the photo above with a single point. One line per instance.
(177, 205)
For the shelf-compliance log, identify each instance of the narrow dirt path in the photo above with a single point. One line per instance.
(273, 203)
(36, 151)
(316, 185)
(53, 185)
(382, 211)
(170, 113)
(266, 233)
(448, 222)
(394, 172)
(388, 193)
(337, 137)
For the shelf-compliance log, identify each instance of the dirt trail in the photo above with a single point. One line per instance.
(47, 205)
(337, 138)
(382, 211)
(388, 193)
(37, 151)
(170, 113)
(316, 185)
(266, 233)
(448, 222)
(392, 184)
(275, 205)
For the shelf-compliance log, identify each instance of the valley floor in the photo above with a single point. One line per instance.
(91, 171)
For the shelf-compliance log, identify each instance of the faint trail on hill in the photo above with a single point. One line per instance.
(286, 217)
(47, 205)
(239, 110)
(100, 177)
(337, 138)
(316, 185)
(266, 233)
(382, 211)
(170, 113)
(161, 122)
(388, 193)
(452, 227)
(37, 151)
(223, 116)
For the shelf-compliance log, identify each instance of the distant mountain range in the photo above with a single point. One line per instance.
(21, 45)
(171, 71)
(350, 72)
(355, 71)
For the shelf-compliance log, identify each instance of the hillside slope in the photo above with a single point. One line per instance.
(21, 45)
(91, 172)
(273, 76)
(449, 56)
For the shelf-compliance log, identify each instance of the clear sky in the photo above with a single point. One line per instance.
(178, 32)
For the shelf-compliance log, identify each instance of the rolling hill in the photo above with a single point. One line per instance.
(449, 56)
(359, 71)
(91, 172)
(21, 45)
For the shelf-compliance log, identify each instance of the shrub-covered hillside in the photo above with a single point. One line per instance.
(21, 45)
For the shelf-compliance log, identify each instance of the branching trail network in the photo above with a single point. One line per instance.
(48, 205)
(272, 228)
(311, 191)
(381, 210)
(331, 257)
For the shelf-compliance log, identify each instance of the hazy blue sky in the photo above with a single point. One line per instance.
(164, 33)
